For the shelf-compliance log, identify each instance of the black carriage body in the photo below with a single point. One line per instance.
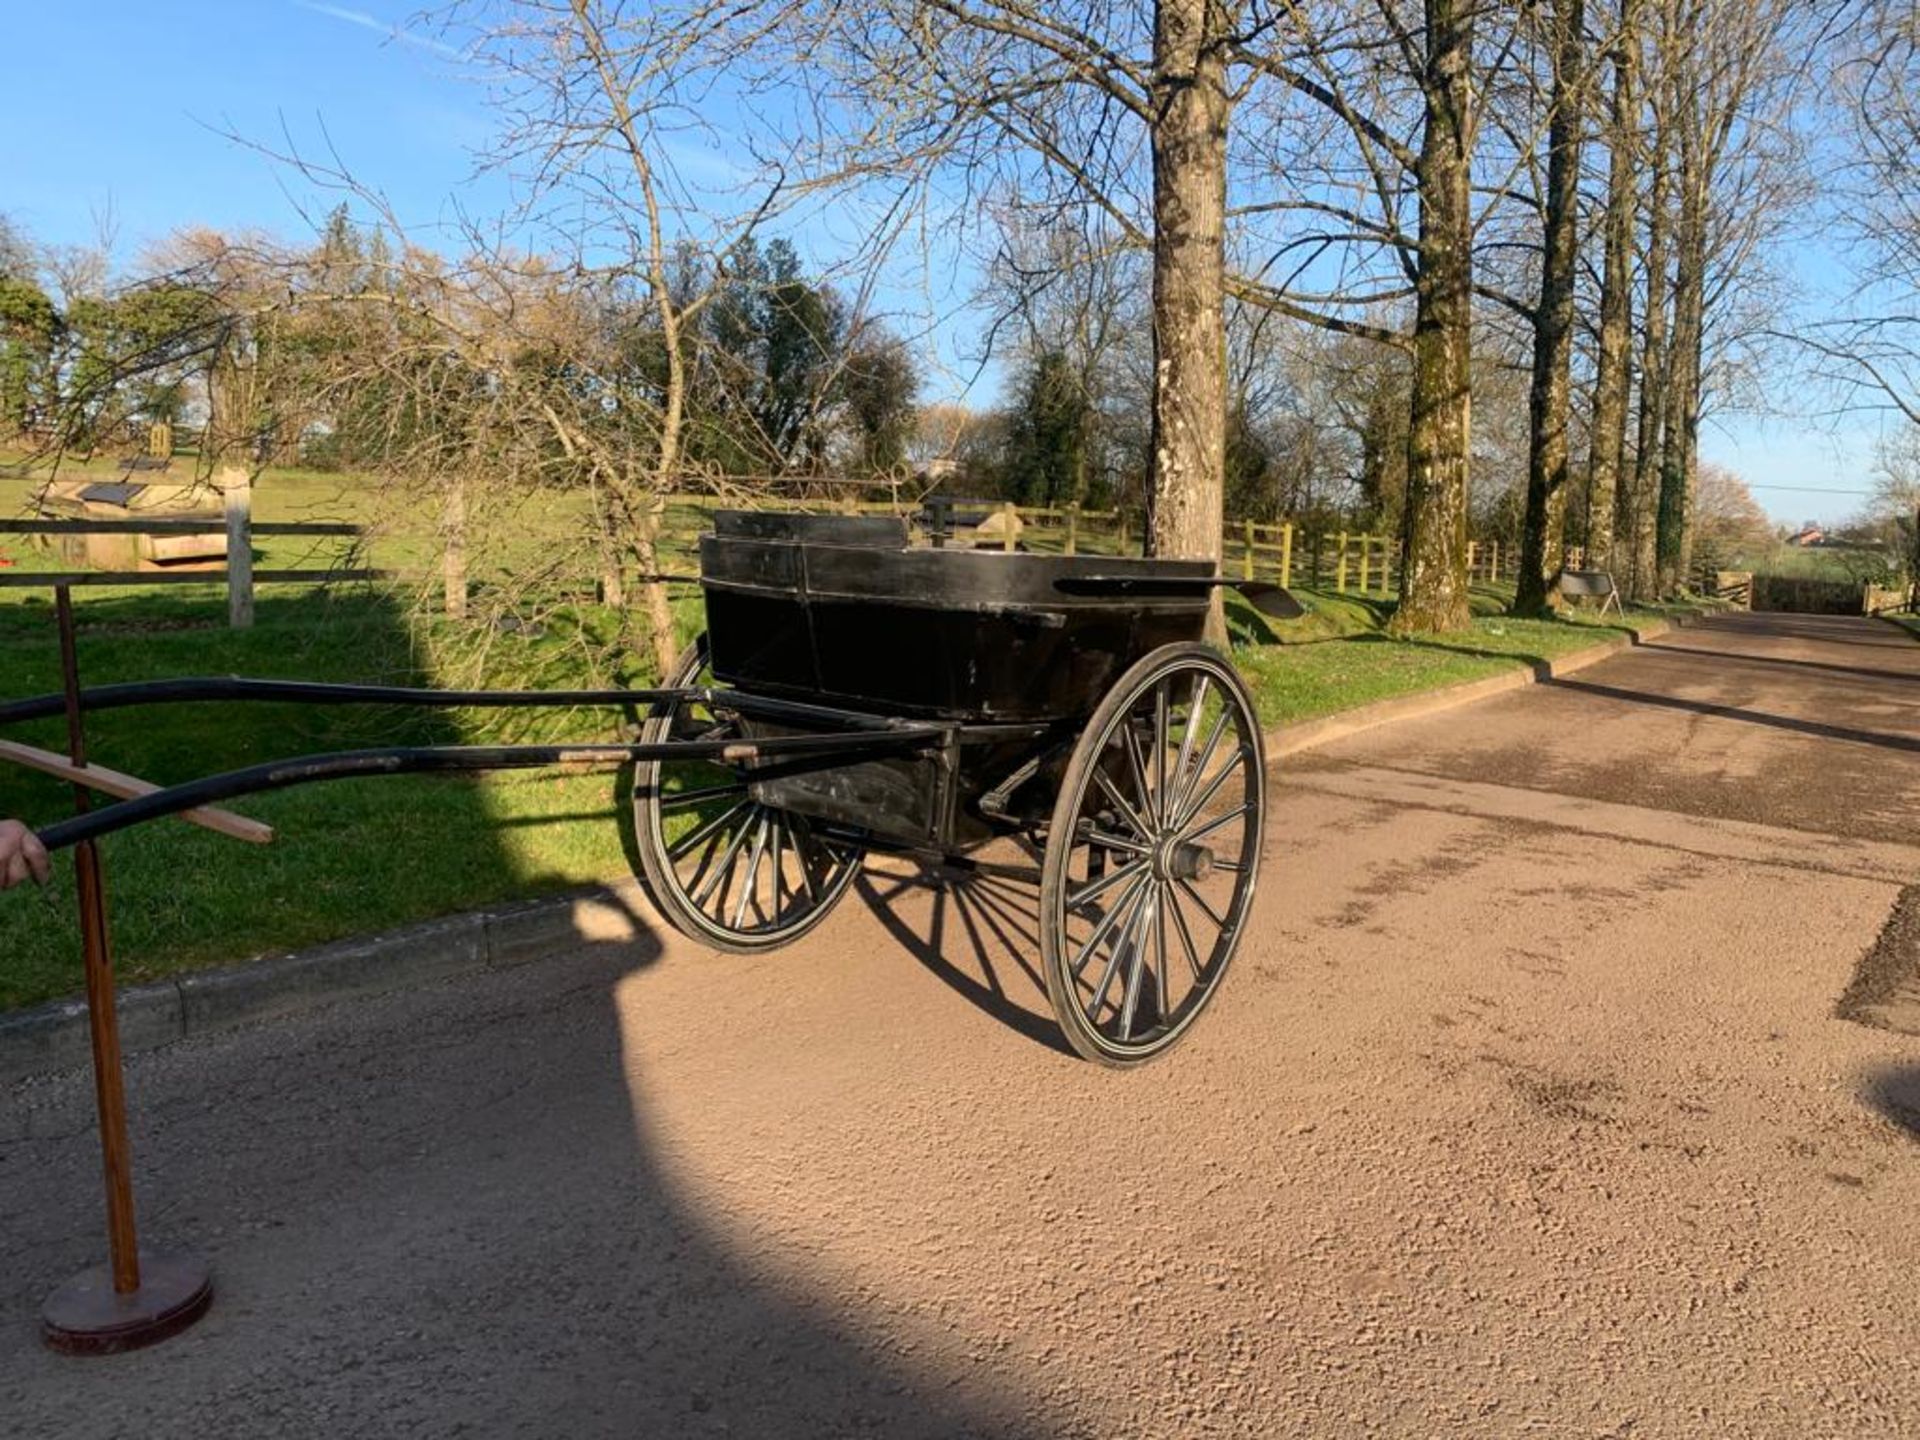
(1014, 650)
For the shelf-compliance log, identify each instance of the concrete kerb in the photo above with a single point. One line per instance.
(1291, 739)
(55, 1037)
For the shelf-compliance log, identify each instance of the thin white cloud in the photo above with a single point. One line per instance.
(365, 21)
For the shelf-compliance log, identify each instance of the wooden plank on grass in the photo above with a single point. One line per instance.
(128, 787)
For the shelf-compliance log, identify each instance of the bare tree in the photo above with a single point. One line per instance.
(1738, 72)
(1613, 378)
(1549, 399)
(1871, 354)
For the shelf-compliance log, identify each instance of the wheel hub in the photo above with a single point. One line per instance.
(1175, 859)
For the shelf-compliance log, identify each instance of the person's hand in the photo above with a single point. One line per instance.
(22, 856)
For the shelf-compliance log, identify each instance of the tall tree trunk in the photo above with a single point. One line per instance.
(1678, 455)
(1643, 495)
(1613, 377)
(1433, 579)
(1541, 536)
(1189, 422)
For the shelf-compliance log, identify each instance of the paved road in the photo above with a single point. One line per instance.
(1524, 1112)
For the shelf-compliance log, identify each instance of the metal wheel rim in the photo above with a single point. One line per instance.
(1143, 947)
(741, 871)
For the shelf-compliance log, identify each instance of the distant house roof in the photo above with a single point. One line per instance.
(1812, 535)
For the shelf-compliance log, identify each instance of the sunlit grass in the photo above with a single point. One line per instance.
(359, 856)
(1340, 654)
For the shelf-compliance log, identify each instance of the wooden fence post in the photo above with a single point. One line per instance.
(1340, 566)
(1286, 553)
(1073, 528)
(1246, 553)
(1473, 557)
(1366, 562)
(453, 561)
(238, 485)
(1494, 569)
(1007, 522)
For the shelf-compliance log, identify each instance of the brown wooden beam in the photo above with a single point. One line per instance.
(128, 787)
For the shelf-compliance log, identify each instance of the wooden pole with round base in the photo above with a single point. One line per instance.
(88, 1316)
(134, 1299)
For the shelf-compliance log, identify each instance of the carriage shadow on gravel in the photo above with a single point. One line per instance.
(1895, 1093)
(977, 933)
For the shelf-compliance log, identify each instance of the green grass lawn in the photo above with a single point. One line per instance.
(352, 856)
(1339, 655)
(359, 856)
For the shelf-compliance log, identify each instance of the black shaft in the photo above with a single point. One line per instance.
(232, 687)
(308, 692)
(405, 760)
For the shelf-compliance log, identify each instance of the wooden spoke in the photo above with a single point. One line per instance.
(1186, 935)
(1218, 822)
(1200, 900)
(1136, 968)
(725, 867)
(725, 878)
(1138, 822)
(1122, 804)
(779, 861)
(1102, 883)
(1195, 708)
(1138, 765)
(688, 842)
(750, 889)
(680, 799)
(1195, 806)
(1117, 842)
(1121, 949)
(1107, 922)
(1161, 739)
(1206, 756)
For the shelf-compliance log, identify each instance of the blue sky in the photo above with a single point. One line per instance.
(122, 110)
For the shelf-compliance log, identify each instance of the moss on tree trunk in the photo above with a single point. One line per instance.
(1433, 583)
(1542, 538)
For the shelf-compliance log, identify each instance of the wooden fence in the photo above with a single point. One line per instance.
(1346, 562)
(238, 574)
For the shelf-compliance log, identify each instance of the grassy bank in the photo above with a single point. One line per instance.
(357, 856)
(1339, 655)
(352, 856)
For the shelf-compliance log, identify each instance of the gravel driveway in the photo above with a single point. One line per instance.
(1524, 1112)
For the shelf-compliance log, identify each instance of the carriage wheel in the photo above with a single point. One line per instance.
(722, 867)
(1152, 855)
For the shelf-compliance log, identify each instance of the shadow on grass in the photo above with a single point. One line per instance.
(353, 856)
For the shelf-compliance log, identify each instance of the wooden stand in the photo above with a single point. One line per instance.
(134, 1299)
